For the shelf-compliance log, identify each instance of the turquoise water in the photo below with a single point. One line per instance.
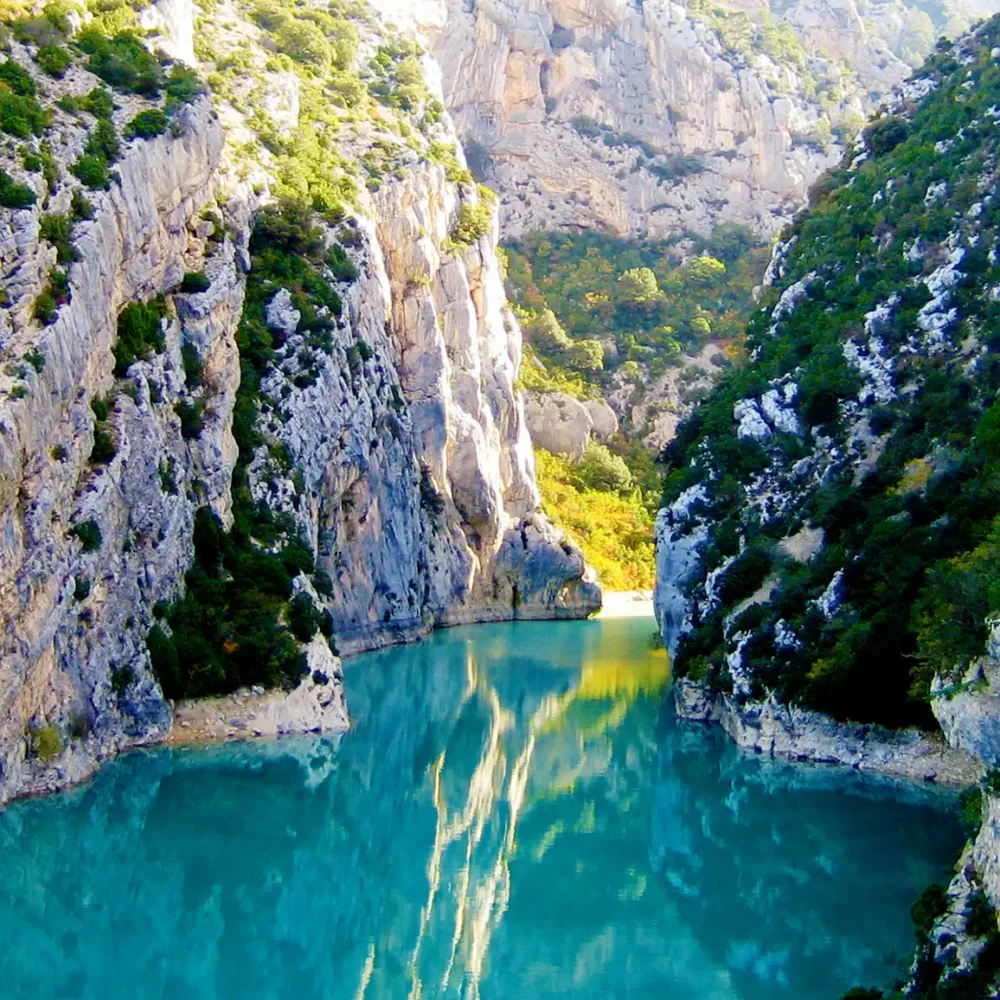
(514, 815)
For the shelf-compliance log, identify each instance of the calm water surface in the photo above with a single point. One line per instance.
(515, 815)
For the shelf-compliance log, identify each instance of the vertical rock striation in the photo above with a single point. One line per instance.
(643, 119)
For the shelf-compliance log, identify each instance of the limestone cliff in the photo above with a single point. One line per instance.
(404, 457)
(652, 118)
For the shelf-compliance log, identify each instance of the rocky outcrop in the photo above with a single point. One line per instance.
(559, 423)
(693, 130)
(968, 710)
(76, 603)
(418, 489)
(316, 705)
(785, 731)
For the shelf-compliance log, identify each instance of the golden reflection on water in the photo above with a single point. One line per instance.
(474, 898)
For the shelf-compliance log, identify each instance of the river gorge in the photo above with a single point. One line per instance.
(358, 357)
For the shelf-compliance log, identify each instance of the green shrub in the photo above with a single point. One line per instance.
(195, 281)
(81, 588)
(182, 87)
(122, 678)
(885, 134)
(80, 207)
(194, 367)
(122, 61)
(164, 661)
(744, 576)
(93, 172)
(931, 904)
(192, 417)
(430, 497)
(55, 294)
(474, 222)
(31, 161)
(99, 102)
(46, 744)
(970, 810)
(341, 265)
(57, 229)
(17, 79)
(147, 124)
(101, 408)
(304, 619)
(104, 448)
(980, 917)
(79, 726)
(168, 482)
(54, 59)
(45, 307)
(600, 469)
(89, 533)
(103, 141)
(139, 333)
(15, 195)
(35, 358)
(304, 42)
(226, 630)
(22, 116)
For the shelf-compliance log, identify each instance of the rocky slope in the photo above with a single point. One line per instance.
(827, 555)
(394, 453)
(653, 118)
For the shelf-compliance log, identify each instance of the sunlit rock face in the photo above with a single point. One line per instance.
(520, 77)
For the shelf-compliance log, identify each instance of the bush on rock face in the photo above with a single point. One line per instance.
(122, 61)
(139, 333)
(147, 124)
(54, 59)
(194, 282)
(15, 195)
(21, 116)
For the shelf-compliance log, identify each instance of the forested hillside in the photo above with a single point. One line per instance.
(838, 490)
(646, 326)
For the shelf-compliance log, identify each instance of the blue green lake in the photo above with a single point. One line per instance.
(515, 814)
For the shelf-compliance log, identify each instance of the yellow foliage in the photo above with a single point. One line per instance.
(615, 533)
(535, 377)
(916, 472)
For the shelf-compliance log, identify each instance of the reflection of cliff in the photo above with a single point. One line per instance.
(778, 848)
(508, 818)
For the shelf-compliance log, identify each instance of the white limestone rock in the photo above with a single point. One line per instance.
(281, 314)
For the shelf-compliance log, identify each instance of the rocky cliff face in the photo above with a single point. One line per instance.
(405, 462)
(647, 119)
(827, 553)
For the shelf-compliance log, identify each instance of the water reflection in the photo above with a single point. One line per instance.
(513, 815)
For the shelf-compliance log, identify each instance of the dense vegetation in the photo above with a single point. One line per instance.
(599, 313)
(595, 501)
(902, 479)
(649, 300)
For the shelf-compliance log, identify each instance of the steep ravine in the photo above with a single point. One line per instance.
(405, 460)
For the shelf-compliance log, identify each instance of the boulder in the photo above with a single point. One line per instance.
(559, 423)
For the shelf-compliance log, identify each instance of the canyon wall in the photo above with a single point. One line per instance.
(405, 462)
(652, 118)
